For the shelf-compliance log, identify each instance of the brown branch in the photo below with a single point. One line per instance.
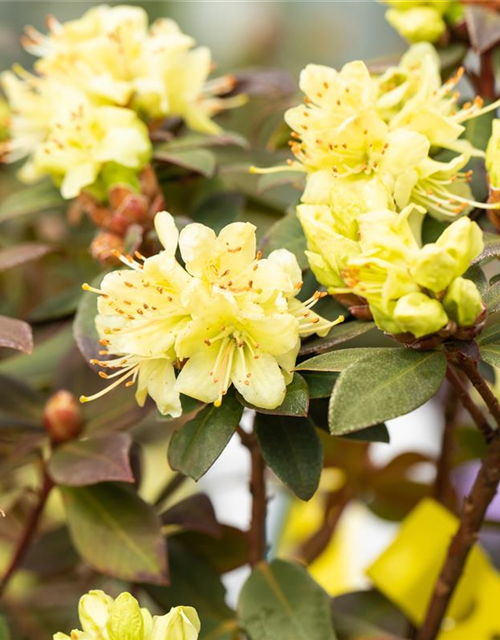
(469, 405)
(443, 489)
(257, 531)
(29, 531)
(473, 510)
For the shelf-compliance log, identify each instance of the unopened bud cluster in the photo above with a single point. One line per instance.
(423, 20)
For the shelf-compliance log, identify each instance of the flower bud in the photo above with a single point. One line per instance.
(463, 241)
(493, 156)
(417, 23)
(94, 610)
(463, 302)
(433, 268)
(181, 623)
(125, 619)
(420, 315)
(62, 417)
(104, 247)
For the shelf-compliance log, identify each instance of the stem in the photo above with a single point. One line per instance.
(486, 79)
(469, 405)
(443, 490)
(257, 530)
(473, 511)
(29, 531)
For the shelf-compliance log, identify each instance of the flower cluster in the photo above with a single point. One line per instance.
(98, 81)
(423, 20)
(365, 145)
(103, 618)
(409, 288)
(229, 317)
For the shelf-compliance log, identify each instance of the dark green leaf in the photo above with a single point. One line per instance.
(197, 160)
(33, 199)
(280, 601)
(432, 229)
(490, 353)
(287, 234)
(57, 306)
(197, 445)
(492, 298)
(224, 553)
(116, 532)
(338, 334)
(195, 582)
(320, 383)
(22, 253)
(292, 449)
(296, 402)
(383, 386)
(490, 335)
(16, 334)
(220, 209)
(377, 433)
(99, 459)
(84, 329)
(338, 360)
(20, 405)
(478, 277)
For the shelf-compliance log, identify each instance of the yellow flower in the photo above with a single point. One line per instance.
(113, 55)
(417, 23)
(83, 140)
(246, 322)
(493, 155)
(103, 618)
(140, 316)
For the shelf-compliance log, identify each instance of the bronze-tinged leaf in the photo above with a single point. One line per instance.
(103, 458)
(22, 253)
(195, 513)
(16, 334)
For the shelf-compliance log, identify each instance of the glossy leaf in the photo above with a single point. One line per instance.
(292, 450)
(116, 532)
(197, 445)
(31, 199)
(196, 160)
(99, 459)
(280, 601)
(296, 402)
(337, 360)
(383, 386)
(339, 334)
(16, 334)
(21, 253)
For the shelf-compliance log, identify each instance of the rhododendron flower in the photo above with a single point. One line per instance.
(422, 20)
(140, 315)
(113, 55)
(247, 323)
(230, 317)
(103, 618)
(83, 140)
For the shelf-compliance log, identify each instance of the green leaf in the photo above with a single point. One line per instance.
(16, 334)
(492, 298)
(478, 277)
(197, 445)
(20, 405)
(224, 553)
(99, 459)
(219, 210)
(196, 583)
(384, 386)
(490, 335)
(33, 199)
(57, 306)
(340, 333)
(196, 160)
(22, 253)
(320, 383)
(4, 629)
(196, 140)
(491, 247)
(338, 360)
(280, 601)
(287, 234)
(490, 353)
(84, 329)
(116, 532)
(296, 402)
(377, 433)
(292, 449)
(194, 513)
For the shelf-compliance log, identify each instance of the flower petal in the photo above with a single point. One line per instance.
(259, 379)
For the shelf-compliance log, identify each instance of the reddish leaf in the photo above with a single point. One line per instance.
(195, 513)
(98, 459)
(16, 334)
(22, 253)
